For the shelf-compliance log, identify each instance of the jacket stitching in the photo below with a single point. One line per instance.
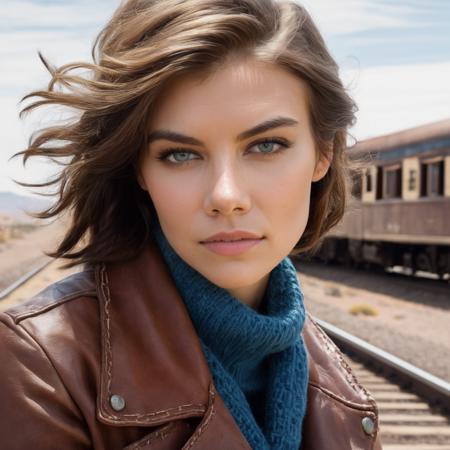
(353, 381)
(202, 427)
(331, 346)
(361, 407)
(368, 410)
(170, 412)
(106, 294)
(162, 433)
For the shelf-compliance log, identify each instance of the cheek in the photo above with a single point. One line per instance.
(171, 196)
(293, 205)
(291, 190)
(289, 204)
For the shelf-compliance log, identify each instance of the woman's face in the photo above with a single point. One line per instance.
(221, 177)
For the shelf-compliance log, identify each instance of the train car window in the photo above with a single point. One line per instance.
(436, 178)
(412, 180)
(379, 183)
(369, 186)
(356, 187)
(423, 180)
(432, 182)
(392, 182)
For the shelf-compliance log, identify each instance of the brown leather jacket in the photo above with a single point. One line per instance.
(108, 359)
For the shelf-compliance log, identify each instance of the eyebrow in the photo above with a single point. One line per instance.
(257, 129)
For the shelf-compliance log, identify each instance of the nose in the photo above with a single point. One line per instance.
(226, 190)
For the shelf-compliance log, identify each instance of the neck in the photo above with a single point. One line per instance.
(253, 294)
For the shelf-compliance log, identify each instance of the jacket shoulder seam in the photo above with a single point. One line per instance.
(17, 318)
(359, 406)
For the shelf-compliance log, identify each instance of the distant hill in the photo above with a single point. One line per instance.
(15, 205)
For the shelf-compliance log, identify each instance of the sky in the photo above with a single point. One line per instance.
(394, 59)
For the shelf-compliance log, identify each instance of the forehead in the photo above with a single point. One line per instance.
(238, 92)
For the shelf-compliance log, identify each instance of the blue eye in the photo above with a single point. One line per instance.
(267, 146)
(176, 157)
(181, 156)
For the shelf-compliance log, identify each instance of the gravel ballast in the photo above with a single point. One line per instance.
(415, 330)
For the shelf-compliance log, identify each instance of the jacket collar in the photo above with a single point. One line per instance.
(147, 339)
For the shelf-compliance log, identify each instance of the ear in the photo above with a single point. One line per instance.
(323, 163)
(140, 181)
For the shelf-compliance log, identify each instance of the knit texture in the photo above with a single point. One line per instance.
(257, 359)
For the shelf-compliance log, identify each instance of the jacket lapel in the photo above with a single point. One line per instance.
(152, 357)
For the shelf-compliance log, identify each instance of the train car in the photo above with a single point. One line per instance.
(400, 211)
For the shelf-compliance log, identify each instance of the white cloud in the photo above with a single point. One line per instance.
(351, 16)
(22, 69)
(63, 32)
(392, 98)
(24, 14)
(14, 138)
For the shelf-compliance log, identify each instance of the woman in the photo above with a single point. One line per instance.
(209, 147)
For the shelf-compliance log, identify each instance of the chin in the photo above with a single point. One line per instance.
(234, 279)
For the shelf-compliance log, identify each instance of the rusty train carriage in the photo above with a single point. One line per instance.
(400, 213)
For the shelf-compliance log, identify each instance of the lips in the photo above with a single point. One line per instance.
(232, 243)
(230, 236)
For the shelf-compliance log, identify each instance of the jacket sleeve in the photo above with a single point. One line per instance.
(36, 410)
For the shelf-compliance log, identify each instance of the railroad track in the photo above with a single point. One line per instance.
(438, 286)
(414, 406)
(23, 279)
(414, 289)
(31, 282)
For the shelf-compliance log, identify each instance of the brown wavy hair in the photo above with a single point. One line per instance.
(145, 45)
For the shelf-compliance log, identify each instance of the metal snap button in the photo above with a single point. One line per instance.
(368, 425)
(117, 402)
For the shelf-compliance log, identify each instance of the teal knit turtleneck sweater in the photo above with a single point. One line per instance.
(257, 359)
